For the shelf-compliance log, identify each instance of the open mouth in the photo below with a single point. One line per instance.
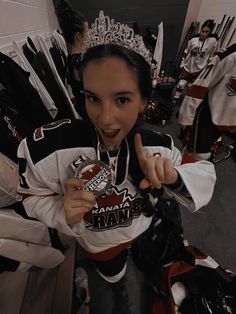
(110, 133)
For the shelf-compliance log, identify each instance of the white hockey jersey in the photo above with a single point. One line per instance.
(197, 53)
(117, 219)
(217, 82)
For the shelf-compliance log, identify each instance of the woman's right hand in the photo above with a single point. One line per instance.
(77, 202)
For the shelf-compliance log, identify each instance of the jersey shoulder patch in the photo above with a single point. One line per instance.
(61, 134)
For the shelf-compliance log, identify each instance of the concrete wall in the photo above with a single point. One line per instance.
(21, 18)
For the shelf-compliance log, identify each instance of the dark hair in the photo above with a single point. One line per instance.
(209, 23)
(135, 61)
(70, 21)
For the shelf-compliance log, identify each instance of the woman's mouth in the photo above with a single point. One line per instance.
(110, 132)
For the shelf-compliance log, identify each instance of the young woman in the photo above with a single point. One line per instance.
(106, 222)
(74, 27)
(197, 53)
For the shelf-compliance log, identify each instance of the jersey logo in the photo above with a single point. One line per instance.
(113, 210)
(39, 132)
(12, 128)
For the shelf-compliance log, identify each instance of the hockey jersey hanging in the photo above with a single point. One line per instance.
(24, 242)
(41, 66)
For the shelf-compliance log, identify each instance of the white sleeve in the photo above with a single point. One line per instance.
(222, 68)
(50, 211)
(39, 200)
(187, 50)
(199, 180)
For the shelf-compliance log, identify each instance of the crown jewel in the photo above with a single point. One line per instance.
(105, 31)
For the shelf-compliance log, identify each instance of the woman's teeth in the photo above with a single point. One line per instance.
(110, 133)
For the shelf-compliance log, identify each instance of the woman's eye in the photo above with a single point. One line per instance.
(123, 100)
(91, 98)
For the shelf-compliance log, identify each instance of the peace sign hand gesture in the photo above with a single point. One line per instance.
(157, 170)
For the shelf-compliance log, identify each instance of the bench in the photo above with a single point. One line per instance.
(42, 291)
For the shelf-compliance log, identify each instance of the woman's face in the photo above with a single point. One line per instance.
(205, 31)
(79, 37)
(113, 99)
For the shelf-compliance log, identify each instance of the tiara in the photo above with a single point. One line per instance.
(105, 31)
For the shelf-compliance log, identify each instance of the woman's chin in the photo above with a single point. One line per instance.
(111, 145)
(111, 141)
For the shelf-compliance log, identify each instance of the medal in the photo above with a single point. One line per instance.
(95, 174)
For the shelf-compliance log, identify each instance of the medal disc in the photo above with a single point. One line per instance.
(96, 176)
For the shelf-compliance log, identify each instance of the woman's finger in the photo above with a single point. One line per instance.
(73, 184)
(139, 151)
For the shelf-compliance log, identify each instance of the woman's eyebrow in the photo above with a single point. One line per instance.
(89, 92)
(121, 93)
(124, 93)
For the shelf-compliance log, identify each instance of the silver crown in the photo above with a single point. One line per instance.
(105, 31)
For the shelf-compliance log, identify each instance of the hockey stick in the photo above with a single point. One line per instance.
(231, 37)
(227, 30)
(220, 25)
(224, 27)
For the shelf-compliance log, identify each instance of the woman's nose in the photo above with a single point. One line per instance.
(107, 113)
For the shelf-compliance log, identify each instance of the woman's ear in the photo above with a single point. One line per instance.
(78, 36)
